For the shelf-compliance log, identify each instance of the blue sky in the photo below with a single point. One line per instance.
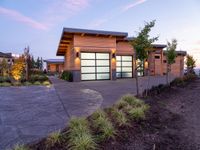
(39, 23)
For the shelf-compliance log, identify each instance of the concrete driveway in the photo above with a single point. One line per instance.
(30, 113)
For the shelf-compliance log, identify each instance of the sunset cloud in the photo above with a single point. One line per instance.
(132, 5)
(17, 16)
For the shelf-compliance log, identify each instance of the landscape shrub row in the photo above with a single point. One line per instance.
(6, 84)
(88, 133)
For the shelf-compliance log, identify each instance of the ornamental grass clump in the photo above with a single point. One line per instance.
(103, 126)
(53, 138)
(20, 147)
(138, 112)
(37, 83)
(119, 117)
(46, 83)
(121, 104)
(80, 137)
(133, 101)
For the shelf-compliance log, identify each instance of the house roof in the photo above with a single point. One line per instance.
(55, 61)
(5, 55)
(180, 52)
(95, 32)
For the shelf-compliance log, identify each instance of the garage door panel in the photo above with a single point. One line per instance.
(102, 62)
(103, 69)
(126, 58)
(127, 64)
(126, 75)
(102, 56)
(88, 69)
(87, 62)
(103, 76)
(87, 55)
(88, 76)
(127, 69)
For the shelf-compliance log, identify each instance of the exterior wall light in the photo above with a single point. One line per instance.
(113, 55)
(77, 54)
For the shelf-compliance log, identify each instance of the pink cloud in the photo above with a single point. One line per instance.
(17, 16)
(132, 5)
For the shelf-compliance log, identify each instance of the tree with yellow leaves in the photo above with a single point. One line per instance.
(18, 68)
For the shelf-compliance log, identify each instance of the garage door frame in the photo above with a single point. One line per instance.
(96, 66)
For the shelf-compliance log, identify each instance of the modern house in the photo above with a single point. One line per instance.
(7, 56)
(54, 65)
(108, 55)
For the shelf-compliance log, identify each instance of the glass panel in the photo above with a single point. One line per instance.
(119, 63)
(103, 69)
(127, 69)
(88, 76)
(119, 69)
(119, 74)
(103, 76)
(126, 75)
(126, 58)
(118, 58)
(87, 55)
(102, 62)
(87, 69)
(102, 56)
(87, 62)
(127, 64)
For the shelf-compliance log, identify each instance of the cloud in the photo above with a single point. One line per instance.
(17, 16)
(60, 10)
(132, 5)
(97, 23)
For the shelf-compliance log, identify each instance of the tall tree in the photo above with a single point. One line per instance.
(170, 56)
(4, 67)
(190, 63)
(141, 45)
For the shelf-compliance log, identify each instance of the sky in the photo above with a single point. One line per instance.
(39, 23)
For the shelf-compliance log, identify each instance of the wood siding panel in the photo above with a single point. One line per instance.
(94, 42)
(124, 48)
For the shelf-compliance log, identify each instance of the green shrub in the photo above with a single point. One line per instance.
(37, 83)
(133, 101)
(177, 82)
(5, 84)
(4, 79)
(120, 117)
(46, 83)
(17, 84)
(27, 83)
(98, 113)
(189, 77)
(20, 147)
(40, 78)
(66, 75)
(53, 138)
(80, 137)
(138, 113)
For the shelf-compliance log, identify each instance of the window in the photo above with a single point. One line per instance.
(157, 57)
(164, 61)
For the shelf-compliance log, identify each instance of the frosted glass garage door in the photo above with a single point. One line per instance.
(124, 66)
(95, 66)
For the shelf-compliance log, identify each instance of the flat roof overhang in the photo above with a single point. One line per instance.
(182, 53)
(67, 37)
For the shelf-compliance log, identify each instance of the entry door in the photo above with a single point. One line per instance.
(124, 66)
(95, 66)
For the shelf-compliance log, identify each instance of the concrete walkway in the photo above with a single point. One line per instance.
(30, 113)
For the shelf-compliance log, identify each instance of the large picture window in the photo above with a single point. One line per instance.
(95, 66)
(124, 66)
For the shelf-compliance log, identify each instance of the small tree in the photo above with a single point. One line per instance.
(18, 69)
(190, 63)
(4, 67)
(141, 45)
(170, 56)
